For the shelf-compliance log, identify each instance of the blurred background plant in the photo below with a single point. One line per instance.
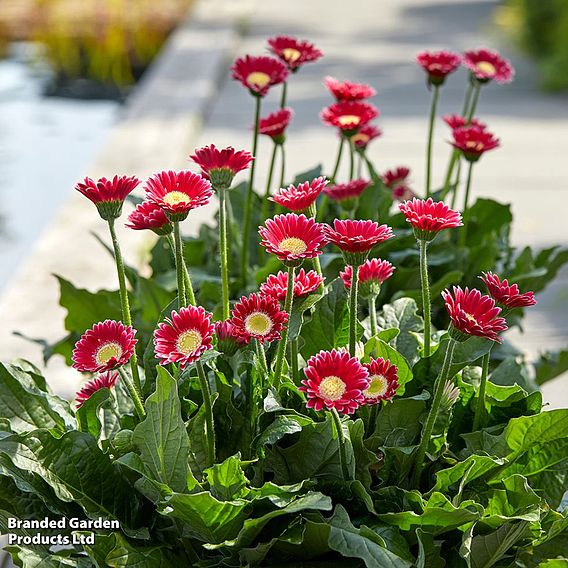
(95, 48)
(540, 27)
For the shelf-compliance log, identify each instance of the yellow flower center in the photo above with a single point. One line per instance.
(107, 352)
(293, 245)
(470, 318)
(359, 137)
(189, 341)
(332, 388)
(290, 54)
(259, 79)
(486, 67)
(349, 119)
(175, 197)
(258, 323)
(473, 145)
(377, 387)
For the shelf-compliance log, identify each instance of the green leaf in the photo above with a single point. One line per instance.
(162, 437)
(28, 407)
(126, 554)
(283, 424)
(376, 347)
(551, 365)
(41, 558)
(428, 551)
(227, 480)
(328, 327)
(309, 175)
(364, 458)
(299, 307)
(466, 471)
(88, 412)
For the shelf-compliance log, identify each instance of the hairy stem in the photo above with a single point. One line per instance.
(426, 309)
(351, 159)
(463, 233)
(133, 392)
(223, 251)
(341, 441)
(209, 422)
(266, 202)
(284, 94)
(182, 300)
(283, 340)
(282, 165)
(294, 361)
(353, 310)
(480, 408)
(435, 96)
(373, 314)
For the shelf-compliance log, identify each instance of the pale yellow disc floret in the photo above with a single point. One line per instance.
(291, 54)
(293, 245)
(107, 352)
(332, 388)
(486, 67)
(349, 119)
(377, 387)
(259, 79)
(258, 323)
(189, 341)
(175, 197)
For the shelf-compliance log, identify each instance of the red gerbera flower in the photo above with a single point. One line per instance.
(438, 64)
(184, 336)
(294, 52)
(275, 124)
(305, 283)
(177, 193)
(221, 166)
(258, 317)
(103, 381)
(258, 74)
(397, 176)
(347, 193)
(349, 116)
(300, 197)
(370, 276)
(457, 121)
(486, 65)
(228, 340)
(383, 381)
(365, 135)
(334, 379)
(148, 215)
(402, 193)
(472, 313)
(473, 141)
(292, 238)
(107, 345)
(428, 217)
(348, 91)
(108, 194)
(356, 238)
(505, 294)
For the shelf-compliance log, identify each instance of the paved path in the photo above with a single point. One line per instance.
(367, 41)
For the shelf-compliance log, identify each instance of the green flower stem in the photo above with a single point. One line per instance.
(373, 415)
(134, 394)
(351, 159)
(373, 314)
(353, 310)
(435, 97)
(360, 164)
(467, 98)
(223, 251)
(426, 309)
(248, 205)
(284, 338)
(456, 184)
(474, 100)
(294, 361)
(284, 94)
(186, 279)
(324, 200)
(124, 303)
(432, 413)
(266, 202)
(449, 172)
(282, 165)
(480, 408)
(341, 440)
(179, 266)
(463, 233)
(261, 355)
(209, 423)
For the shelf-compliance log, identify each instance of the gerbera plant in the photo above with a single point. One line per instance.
(347, 396)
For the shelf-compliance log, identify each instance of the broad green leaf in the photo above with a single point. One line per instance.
(283, 424)
(162, 437)
(466, 471)
(364, 458)
(376, 347)
(88, 413)
(299, 308)
(550, 365)
(127, 554)
(28, 407)
(227, 480)
(428, 551)
(42, 558)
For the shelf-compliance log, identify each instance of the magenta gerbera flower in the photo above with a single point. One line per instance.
(108, 194)
(104, 347)
(429, 217)
(148, 215)
(457, 121)
(347, 193)
(473, 141)
(356, 238)
(438, 64)
(228, 340)
(473, 313)
(371, 274)
(292, 238)
(275, 124)
(258, 317)
(383, 381)
(365, 135)
(396, 176)
(184, 336)
(334, 379)
(305, 283)
(258, 74)
(294, 52)
(177, 193)
(300, 197)
(349, 116)
(103, 381)
(487, 65)
(348, 91)
(507, 295)
(402, 193)
(221, 166)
